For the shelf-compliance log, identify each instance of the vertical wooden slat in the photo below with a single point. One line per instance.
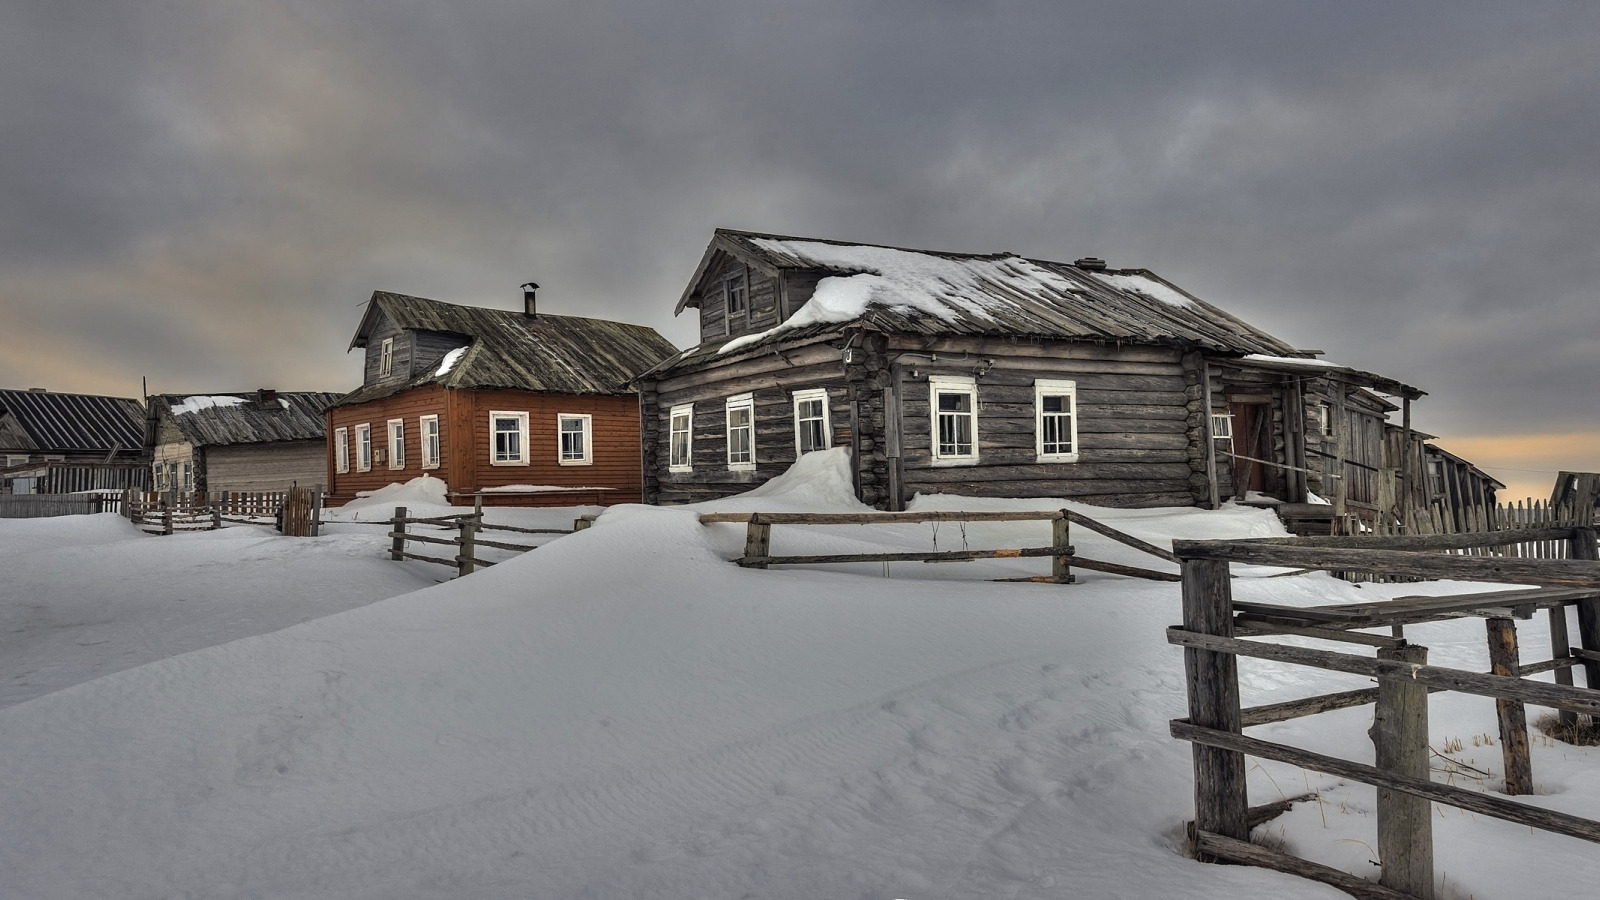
(1512, 714)
(1220, 799)
(758, 540)
(398, 546)
(1400, 738)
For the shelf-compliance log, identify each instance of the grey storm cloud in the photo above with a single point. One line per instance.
(203, 193)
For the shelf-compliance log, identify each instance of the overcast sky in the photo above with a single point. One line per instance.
(202, 193)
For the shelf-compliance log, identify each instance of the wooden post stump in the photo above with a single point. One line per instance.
(1512, 714)
(1061, 539)
(1220, 801)
(166, 520)
(216, 518)
(465, 560)
(758, 540)
(398, 532)
(1400, 735)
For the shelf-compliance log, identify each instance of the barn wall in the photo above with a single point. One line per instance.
(615, 451)
(265, 467)
(408, 405)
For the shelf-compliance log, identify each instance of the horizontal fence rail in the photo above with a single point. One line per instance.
(466, 540)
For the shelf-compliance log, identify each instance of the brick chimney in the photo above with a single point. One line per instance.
(266, 397)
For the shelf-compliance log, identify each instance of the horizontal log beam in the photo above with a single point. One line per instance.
(1080, 562)
(433, 559)
(1578, 573)
(883, 518)
(1234, 850)
(1461, 798)
(1580, 700)
(907, 556)
(1296, 709)
(481, 542)
(426, 539)
(1425, 541)
(1121, 538)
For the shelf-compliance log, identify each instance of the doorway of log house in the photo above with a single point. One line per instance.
(1252, 441)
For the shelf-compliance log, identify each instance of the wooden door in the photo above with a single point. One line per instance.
(1252, 443)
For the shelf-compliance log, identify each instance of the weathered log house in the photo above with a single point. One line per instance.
(56, 443)
(526, 408)
(995, 375)
(264, 440)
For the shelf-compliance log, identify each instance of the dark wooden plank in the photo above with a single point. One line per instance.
(1537, 692)
(1512, 715)
(1424, 541)
(761, 562)
(1119, 569)
(1396, 562)
(1472, 801)
(1215, 845)
(1220, 799)
(1119, 537)
(1400, 744)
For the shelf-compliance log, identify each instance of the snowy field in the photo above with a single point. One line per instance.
(623, 713)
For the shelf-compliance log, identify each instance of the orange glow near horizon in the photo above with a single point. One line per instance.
(1528, 463)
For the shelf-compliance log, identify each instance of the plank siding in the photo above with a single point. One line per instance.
(265, 467)
(407, 405)
(400, 367)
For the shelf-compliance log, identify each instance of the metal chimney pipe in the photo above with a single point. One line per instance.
(528, 306)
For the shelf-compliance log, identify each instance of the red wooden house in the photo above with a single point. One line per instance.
(527, 409)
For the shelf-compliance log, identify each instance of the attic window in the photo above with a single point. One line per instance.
(738, 293)
(386, 358)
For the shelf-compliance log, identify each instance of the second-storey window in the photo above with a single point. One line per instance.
(1055, 410)
(680, 439)
(428, 427)
(741, 433)
(811, 430)
(159, 476)
(955, 418)
(341, 450)
(508, 434)
(386, 357)
(397, 443)
(738, 296)
(364, 448)
(574, 430)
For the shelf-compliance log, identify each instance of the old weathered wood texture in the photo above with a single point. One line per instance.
(1553, 572)
(1221, 802)
(1512, 715)
(397, 547)
(1400, 741)
(1582, 547)
(1215, 845)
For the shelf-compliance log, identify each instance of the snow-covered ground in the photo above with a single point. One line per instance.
(623, 713)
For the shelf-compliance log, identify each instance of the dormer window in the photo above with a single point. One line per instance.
(386, 358)
(737, 291)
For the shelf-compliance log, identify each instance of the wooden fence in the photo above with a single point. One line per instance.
(758, 541)
(1212, 633)
(38, 506)
(466, 528)
(297, 512)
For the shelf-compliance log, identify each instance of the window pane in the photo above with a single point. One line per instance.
(1053, 404)
(955, 402)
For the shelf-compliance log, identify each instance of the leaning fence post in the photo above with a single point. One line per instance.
(1561, 648)
(1582, 546)
(1220, 800)
(398, 532)
(1400, 737)
(1061, 539)
(1512, 714)
(757, 542)
(464, 559)
(166, 520)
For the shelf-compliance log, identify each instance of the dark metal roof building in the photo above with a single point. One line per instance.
(251, 417)
(50, 422)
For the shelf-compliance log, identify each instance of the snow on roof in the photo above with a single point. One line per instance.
(449, 361)
(1291, 361)
(1148, 287)
(198, 402)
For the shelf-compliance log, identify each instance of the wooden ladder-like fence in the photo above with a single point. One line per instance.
(466, 540)
(1212, 635)
(758, 541)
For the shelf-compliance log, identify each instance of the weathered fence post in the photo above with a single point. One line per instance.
(1400, 736)
(477, 508)
(127, 503)
(758, 541)
(580, 523)
(1561, 648)
(1061, 539)
(316, 511)
(216, 518)
(398, 532)
(1582, 546)
(1220, 801)
(464, 559)
(1512, 714)
(166, 520)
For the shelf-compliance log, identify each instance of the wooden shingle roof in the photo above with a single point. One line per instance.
(508, 349)
(214, 419)
(56, 422)
(932, 292)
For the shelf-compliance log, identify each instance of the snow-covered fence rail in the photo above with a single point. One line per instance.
(466, 540)
(758, 541)
(1213, 632)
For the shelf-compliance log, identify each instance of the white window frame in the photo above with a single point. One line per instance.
(397, 443)
(159, 476)
(586, 421)
(745, 402)
(742, 279)
(1051, 387)
(386, 358)
(522, 438)
(188, 474)
(952, 384)
(364, 447)
(1222, 428)
(341, 450)
(431, 444)
(685, 411)
(1324, 420)
(805, 396)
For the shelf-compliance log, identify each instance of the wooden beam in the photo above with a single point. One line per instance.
(761, 562)
(1425, 541)
(883, 518)
(1400, 744)
(1472, 801)
(1221, 803)
(1215, 845)
(1513, 716)
(1536, 692)
(1578, 573)
(1120, 537)
(1206, 436)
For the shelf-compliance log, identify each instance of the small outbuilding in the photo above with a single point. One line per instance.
(58, 443)
(256, 441)
(522, 408)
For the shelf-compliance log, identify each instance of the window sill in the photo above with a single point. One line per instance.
(741, 467)
(429, 466)
(680, 470)
(575, 462)
(1058, 458)
(512, 462)
(948, 461)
